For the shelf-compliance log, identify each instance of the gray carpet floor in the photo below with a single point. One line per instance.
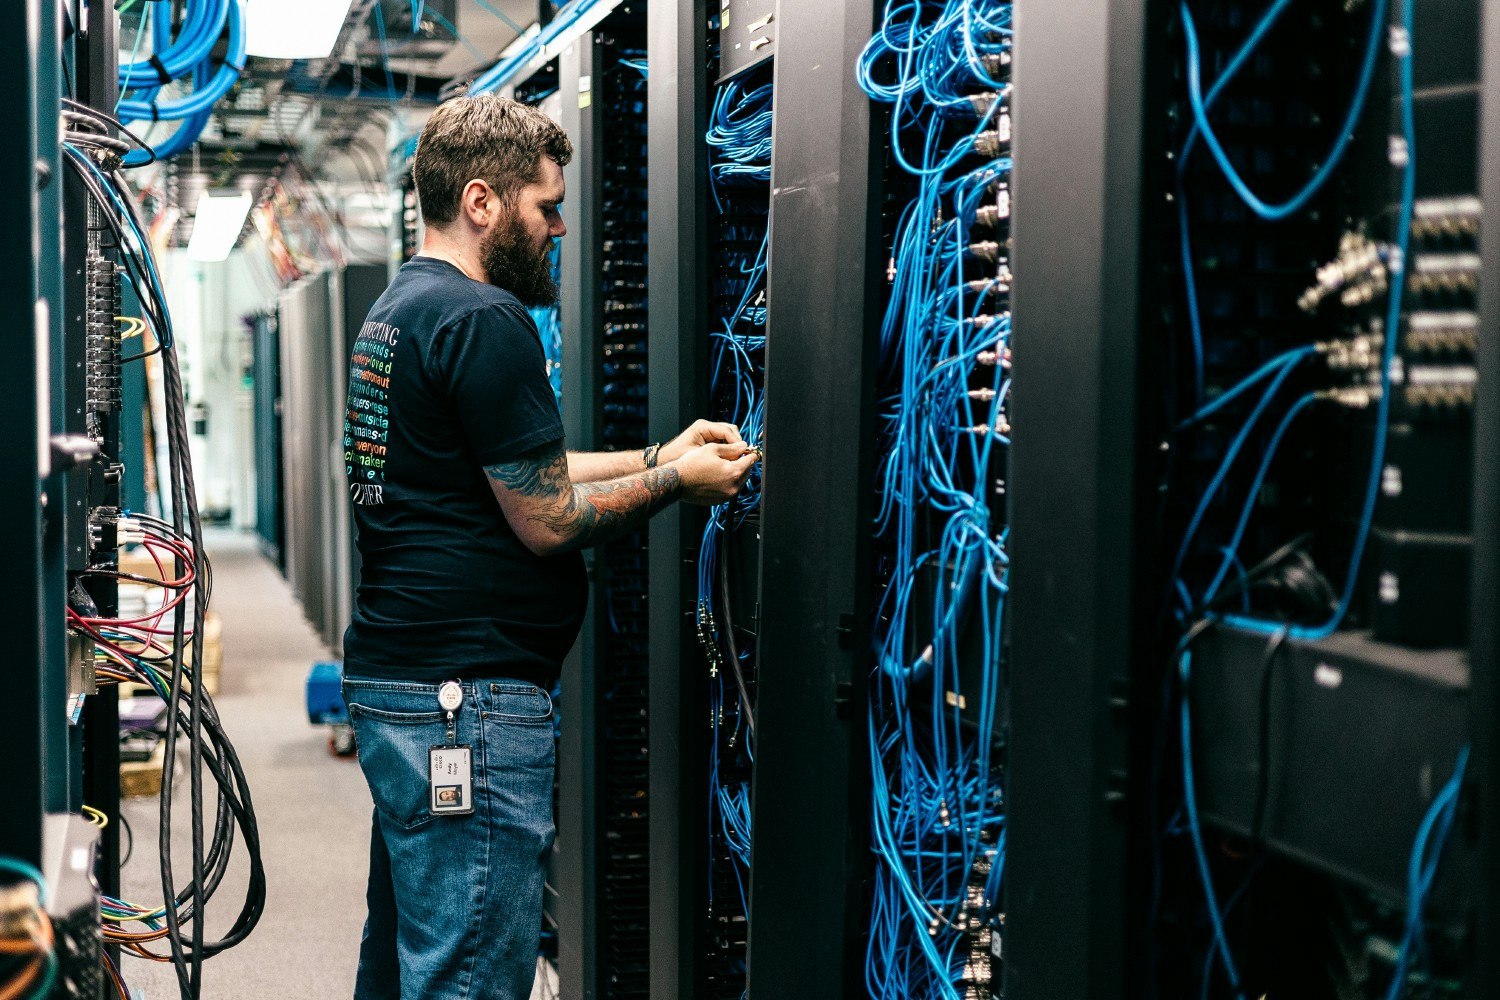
(314, 808)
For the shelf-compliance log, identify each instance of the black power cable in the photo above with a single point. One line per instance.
(77, 109)
(726, 615)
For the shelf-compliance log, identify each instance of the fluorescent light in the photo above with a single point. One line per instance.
(293, 29)
(217, 224)
(522, 40)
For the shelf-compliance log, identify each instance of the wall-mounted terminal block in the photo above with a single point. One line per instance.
(102, 361)
(1442, 332)
(1439, 387)
(1446, 223)
(1444, 280)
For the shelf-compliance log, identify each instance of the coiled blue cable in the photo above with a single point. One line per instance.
(201, 28)
(201, 99)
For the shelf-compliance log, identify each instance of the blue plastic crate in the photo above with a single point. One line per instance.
(325, 696)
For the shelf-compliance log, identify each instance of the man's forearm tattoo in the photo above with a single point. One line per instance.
(591, 513)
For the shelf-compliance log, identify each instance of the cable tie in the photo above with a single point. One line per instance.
(161, 69)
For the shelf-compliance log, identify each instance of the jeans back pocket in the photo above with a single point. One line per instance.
(393, 749)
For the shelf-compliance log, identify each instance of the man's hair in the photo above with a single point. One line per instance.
(487, 138)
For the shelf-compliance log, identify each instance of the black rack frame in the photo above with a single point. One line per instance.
(1077, 501)
(677, 231)
(1484, 630)
(811, 794)
(30, 168)
(579, 763)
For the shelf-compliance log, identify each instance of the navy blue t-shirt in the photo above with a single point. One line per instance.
(448, 376)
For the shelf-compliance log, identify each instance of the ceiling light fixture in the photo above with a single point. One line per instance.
(217, 225)
(293, 29)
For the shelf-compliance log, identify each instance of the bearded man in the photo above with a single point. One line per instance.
(471, 515)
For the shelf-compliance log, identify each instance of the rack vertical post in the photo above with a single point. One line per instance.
(810, 825)
(677, 192)
(579, 822)
(1080, 85)
(1484, 632)
(29, 168)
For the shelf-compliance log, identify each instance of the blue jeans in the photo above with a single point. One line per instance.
(455, 902)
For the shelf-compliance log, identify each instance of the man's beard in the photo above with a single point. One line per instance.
(512, 261)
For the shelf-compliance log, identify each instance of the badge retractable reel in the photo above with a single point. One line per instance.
(450, 777)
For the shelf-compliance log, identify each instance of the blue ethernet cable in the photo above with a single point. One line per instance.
(203, 22)
(1341, 141)
(1396, 267)
(938, 811)
(1190, 803)
(1422, 866)
(201, 99)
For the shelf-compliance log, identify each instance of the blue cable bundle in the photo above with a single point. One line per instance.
(739, 141)
(938, 811)
(173, 59)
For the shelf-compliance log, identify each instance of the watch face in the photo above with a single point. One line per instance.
(450, 695)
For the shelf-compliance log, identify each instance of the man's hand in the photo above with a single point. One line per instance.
(712, 473)
(700, 433)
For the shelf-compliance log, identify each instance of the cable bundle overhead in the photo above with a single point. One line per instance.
(938, 808)
(175, 59)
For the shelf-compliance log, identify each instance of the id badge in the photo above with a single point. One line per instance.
(450, 780)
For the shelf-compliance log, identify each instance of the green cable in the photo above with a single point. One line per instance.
(28, 872)
(135, 49)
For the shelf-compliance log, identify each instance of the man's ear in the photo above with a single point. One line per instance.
(477, 202)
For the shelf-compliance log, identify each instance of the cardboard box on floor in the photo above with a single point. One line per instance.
(142, 778)
(137, 561)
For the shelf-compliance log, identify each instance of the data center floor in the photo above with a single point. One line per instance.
(314, 807)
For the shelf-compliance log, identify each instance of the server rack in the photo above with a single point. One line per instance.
(805, 602)
(270, 496)
(307, 368)
(64, 430)
(93, 402)
(317, 321)
(1484, 649)
(1095, 176)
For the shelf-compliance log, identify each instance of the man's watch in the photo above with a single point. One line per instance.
(649, 455)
